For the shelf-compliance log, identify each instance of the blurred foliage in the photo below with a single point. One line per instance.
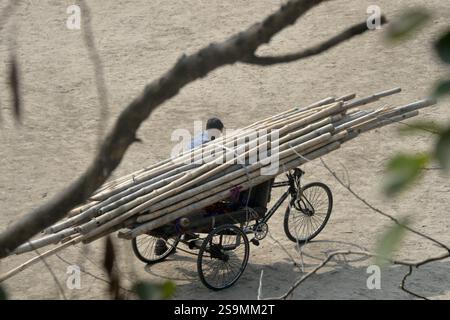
(151, 291)
(389, 242)
(403, 169)
(408, 23)
(3, 295)
(442, 88)
(442, 149)
(442, 47)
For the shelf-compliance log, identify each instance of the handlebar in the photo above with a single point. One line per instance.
(296, 173)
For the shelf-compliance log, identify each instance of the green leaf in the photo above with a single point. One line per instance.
(421, 126)
(145, 291)
(442, 47)
(402, 170)
(389, 242)
(151, 291)
(409, 22)
(3, 295)
(442, 88)
(442, 150)
(168, 289)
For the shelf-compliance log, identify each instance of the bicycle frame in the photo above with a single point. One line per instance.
(292, 190)
(215, 247)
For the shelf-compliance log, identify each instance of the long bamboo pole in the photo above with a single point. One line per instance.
(32, 261)
(132, 176)
(223, 195)
(294, 129)
(124, 201)
(142, 203)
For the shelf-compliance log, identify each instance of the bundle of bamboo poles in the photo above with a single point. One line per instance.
(164, 192)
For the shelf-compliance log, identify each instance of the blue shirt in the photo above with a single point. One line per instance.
(198, 140)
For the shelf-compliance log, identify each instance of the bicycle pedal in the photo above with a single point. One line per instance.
(255, 242)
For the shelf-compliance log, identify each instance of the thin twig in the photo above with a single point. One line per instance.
(312, 272)
(410, 265)
(396, 221)
(91, 274)
(283, 248)
(331, 255)
(122, 274)
(418, 127)
(403, 285)
(60, 288)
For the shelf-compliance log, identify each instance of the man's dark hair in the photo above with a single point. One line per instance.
(214, 123)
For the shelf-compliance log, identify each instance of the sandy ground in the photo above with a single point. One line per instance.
(138, 41)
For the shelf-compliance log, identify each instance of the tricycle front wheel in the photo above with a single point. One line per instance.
(306, 217)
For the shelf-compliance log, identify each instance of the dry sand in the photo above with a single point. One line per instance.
(138, 41)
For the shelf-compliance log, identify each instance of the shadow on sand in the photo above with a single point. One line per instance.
(340, 279)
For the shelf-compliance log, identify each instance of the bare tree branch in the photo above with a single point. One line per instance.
(102, 91)
(7, 11)
(123, 134)
(318, 49)
(14, 83)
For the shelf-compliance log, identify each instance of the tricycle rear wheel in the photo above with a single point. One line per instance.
(150, 249)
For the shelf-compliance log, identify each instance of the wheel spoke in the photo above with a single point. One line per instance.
(306, 224)
(144, 247)
(231, 246)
